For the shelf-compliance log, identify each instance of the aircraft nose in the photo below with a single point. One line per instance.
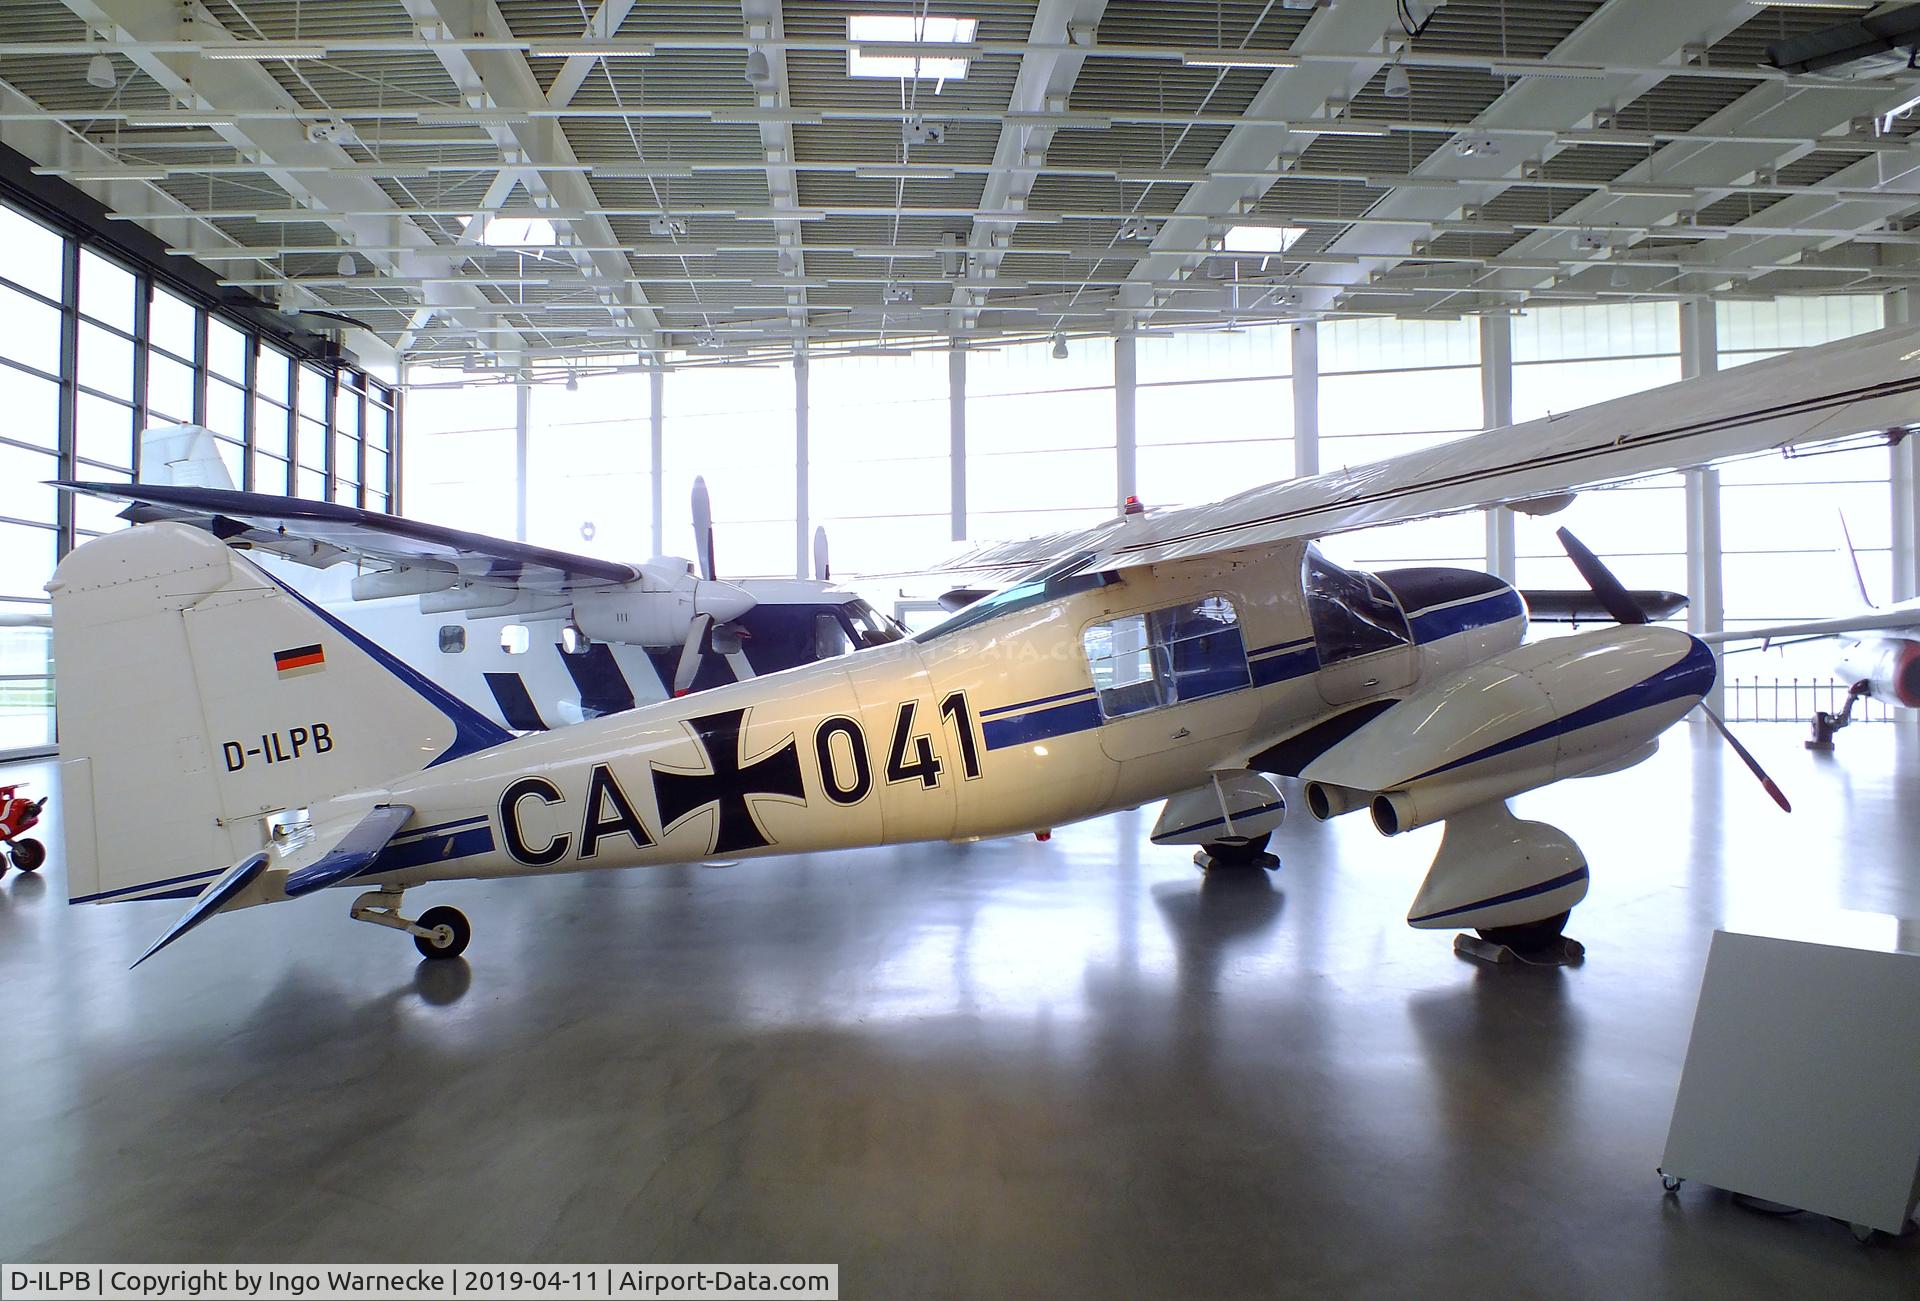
(724, 601)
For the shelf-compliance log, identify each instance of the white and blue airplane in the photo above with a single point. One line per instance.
(228, 742)
(528, 636)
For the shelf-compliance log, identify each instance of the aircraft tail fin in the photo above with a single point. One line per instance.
(203, 706)
(1853, 558)
(183, 456)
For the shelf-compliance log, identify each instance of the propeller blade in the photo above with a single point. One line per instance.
(820, 570)
(1746, 757)
(703, 528)
(1614, 598)
(689, 666)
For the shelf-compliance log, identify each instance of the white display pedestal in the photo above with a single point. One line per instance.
(1802, 1079)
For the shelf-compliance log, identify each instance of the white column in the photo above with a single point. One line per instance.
(801, 549)
(656, 460)
(1905, 485)
(1706, 605)
(1496, 406)
(1306, 399)
(522, 401)
(1125, 457)
(957, 438)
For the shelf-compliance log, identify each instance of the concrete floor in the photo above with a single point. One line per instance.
(1060, 1069)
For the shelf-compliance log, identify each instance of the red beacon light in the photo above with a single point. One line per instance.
(1133, 506)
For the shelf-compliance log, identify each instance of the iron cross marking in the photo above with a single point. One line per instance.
(731, 785)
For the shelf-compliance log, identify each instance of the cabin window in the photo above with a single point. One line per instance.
(515, 638)
(453, 638)
(1184, 652)
(1353, 613)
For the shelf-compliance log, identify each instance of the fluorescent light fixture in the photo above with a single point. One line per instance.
(99, 174)
(1334, 127)
(512, 232)
(1237, 59)
(906, 47)
(641, 171)
(904, 172)
(183, 118)
(1260, 239)
(1648, 190)
(258, 50)
(471, 117)
(593, 50)
(1574, 71)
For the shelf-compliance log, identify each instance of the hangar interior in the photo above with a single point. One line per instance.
(926, 276)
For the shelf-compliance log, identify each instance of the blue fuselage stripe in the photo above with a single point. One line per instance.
(1029, 704)
(433, 849)
(1022, 729)
(152, 885)
(1448, 620)
(412, 833)
(1512, 896)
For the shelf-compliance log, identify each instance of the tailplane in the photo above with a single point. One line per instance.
(203, 706)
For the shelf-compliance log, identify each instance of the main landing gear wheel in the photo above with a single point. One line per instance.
(1249, 852)
(450, 933)
(28, 854)
(1527, 936)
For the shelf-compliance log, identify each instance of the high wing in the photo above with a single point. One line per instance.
(341, 532)
(1866, 384)
(1899, 618)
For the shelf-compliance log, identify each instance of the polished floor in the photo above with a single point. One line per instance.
(1064, 1069)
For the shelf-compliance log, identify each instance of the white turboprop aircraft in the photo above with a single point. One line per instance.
(594, 636)
(1879, 651)
(227, 741)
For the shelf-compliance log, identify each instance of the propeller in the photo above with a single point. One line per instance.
(689, 666)
(820, 569)
(703, 528)
(1616, 601)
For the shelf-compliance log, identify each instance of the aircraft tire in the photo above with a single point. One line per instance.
(1527, 935)
(1239, 853)
(28, 855)
(458, 928)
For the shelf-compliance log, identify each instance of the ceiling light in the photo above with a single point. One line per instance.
(1059, 347)
(1477, 147)
(345, 265)
(573, 382)
(102, 175)
(1398, 86)
(918, 131)
(592, 50)
(904, 172)
(1237, 59)
(759, 68)
(1574, 71)
(1647, 190)
(257, 50)
(471, 117)
(667, 227)
(1138, 228)
(1331, 128)
(100, 74)
(642, 171)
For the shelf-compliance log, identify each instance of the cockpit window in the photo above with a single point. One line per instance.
(1049, 582)
(874, 628)
(1353, 613)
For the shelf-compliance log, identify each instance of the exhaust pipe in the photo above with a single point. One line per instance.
(1326, 801)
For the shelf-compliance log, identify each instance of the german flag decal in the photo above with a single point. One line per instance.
(301, 659)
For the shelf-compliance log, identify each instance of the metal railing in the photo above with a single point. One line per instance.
(1794, 700)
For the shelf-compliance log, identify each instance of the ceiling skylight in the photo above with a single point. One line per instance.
(903, 47)
(1260, 239)
(513, 232)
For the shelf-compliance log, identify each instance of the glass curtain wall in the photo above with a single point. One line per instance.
(879, 434)
(1040, 440)
(461, 460)
(92, 352)
(1388, 387)
(1568, 357)
(1213, 413)
(1781, 532)
(732, 426)
(590, 466)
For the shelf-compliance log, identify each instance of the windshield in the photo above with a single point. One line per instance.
(1353, 613)
(874, 628)
(1036, 587)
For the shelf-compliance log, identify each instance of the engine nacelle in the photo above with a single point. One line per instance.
(652, 613)
(1890, 668)
(1552, 709)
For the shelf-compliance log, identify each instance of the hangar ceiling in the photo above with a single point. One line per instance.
(515, 182)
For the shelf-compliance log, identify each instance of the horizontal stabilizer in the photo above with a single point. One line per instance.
(355, 852)
(212, 900)
(1899, 618)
